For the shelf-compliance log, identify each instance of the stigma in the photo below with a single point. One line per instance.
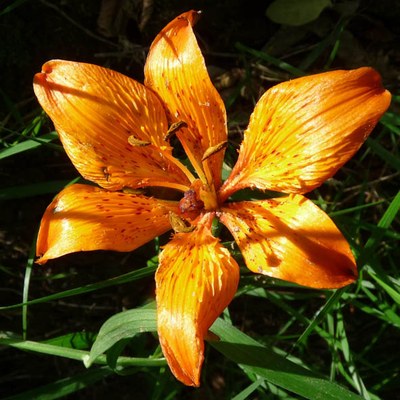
(190, 206)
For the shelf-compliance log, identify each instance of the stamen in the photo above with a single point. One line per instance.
(179, 225)
(174, 128)
(134, 141)
(179, 165)
(194, 160)
(129, 190)
(213, 150)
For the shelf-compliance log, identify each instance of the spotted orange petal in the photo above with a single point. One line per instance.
(290, 238)
(197, 278)
(84, 217)
(111, 126)
(175, 69)
(302, 131)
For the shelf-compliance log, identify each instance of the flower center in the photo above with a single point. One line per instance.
(199, 198)
(190, 205)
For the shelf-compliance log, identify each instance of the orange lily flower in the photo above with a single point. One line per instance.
(117, 133)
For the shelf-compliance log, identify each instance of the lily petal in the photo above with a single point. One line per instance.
(197, 278)
(176, 70)
(302, 131)
(84, 217)
(95, 112)
(290, 238)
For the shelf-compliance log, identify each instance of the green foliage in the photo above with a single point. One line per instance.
(64, 387)
(293, 12)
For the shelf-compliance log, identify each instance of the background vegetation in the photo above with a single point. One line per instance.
(277, 339)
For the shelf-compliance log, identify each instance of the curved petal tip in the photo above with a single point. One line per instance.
(197, 278)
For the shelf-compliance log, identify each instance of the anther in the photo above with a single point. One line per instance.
(129, 190)
(213, 150)
(106, 173)
(174, 128)
(134, 141)
(179, 225)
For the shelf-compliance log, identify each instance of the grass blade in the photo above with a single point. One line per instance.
(383, 224)
(11, 340)
(387, 156)
(257, 359)
(272, 60)
(118, 280)
(36, 189)
(25, 291)
(321, 314)
(29, 145)
(244, 394)
(64, 387)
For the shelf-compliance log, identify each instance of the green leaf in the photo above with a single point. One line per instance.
(12, 340)
(255, 358)
(74, 340)
(121, 326)
(35, 189)
(386, 155)
(64, 387)
(393, 292)
(271, 60)
(391, 120)
(28, 145)
(380, 310)
(384, 223)
(330, 40)
(354, 209)
(118, 280)
(322, 313)
(25, 290)
(114, 352)
(294, 12)
(244, 394)
(252, 356)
